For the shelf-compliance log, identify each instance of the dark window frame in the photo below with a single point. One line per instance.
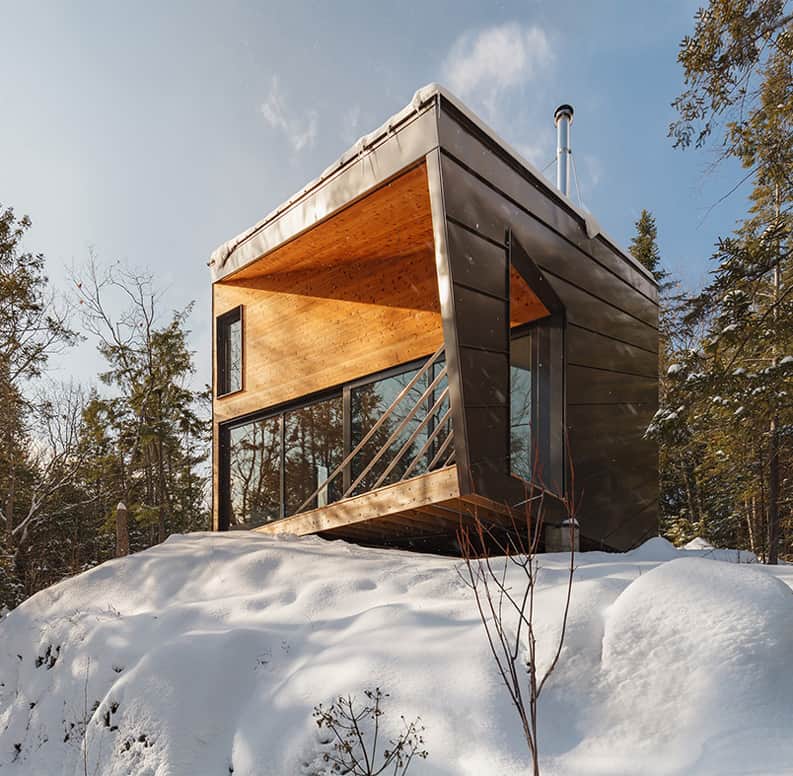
(548, 366)
(222, 345)
(224, 457)
(540, 366)
(280, 410)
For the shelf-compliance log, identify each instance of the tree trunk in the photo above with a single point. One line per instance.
(163, 498)
(750, 517)
(12, 478)
(11, 499)
(773, 491)
(122, 530)
(692, 506)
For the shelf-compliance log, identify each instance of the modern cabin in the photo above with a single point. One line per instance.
(418, 334)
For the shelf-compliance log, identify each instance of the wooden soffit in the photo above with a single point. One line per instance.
(393, 221)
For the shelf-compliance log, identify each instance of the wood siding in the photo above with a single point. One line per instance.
(321, 312)
(307, 332)
(392, 221)
(417, 492)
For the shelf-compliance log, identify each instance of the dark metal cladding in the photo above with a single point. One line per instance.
(480, 262)
(599, 384)
(465, 142)
(587, 385)
(449, 320)
(478, 278)
(595, 349)
(615, 472)
(590, 293)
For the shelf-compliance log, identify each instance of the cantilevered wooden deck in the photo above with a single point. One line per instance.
(424, 511)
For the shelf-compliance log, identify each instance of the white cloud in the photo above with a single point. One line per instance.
(351, 124)
(300, 130)
(504, 73)
(483, 65)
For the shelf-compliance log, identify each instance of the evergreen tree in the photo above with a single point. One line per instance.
(644, 245)
(150, 432)
(734, 384)
(680, 507)
(32, 328)
(67, 459)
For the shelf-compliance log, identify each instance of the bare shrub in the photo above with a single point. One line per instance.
(355, 730)
(505, 607)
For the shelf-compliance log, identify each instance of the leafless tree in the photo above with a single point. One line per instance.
(506, 607)
(119, 308)
(56, 456)
(34, 325)
(149, 369)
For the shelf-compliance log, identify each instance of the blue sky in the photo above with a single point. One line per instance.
(155, 131)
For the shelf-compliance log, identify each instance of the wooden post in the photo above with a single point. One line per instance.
(122, 530)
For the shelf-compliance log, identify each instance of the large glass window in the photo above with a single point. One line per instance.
(314, 437)
(369, 402)
(229, 352)
(255, 473)
(305, 444)
(275, 466)
(520, 420)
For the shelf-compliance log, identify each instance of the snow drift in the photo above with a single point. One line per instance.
(206, 655)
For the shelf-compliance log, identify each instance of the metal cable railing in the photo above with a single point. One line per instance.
(435, 422)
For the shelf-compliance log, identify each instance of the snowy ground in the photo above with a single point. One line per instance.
(206, 655)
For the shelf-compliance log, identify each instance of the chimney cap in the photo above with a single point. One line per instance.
(563, 110)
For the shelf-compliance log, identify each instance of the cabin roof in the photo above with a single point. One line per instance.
(422, 100)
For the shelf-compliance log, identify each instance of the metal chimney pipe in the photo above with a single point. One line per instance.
(563, 118)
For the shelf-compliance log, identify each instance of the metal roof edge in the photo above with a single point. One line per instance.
(221, 254)
(592, 225)
(421, 98)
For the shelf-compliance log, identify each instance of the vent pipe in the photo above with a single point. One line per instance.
(563, 118)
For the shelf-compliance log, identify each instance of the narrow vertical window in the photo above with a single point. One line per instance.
(229, 352)
(520, 379)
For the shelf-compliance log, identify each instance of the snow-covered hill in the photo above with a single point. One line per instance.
(206, 655)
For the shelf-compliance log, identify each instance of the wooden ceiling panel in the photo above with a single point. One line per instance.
(524, 304)
(393, 221)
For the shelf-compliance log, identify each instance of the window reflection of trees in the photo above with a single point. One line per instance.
(229, 352)
(314, 438)
(313, 447)
(369, 402)
(520, 406)
(255, 473)
(235, 356)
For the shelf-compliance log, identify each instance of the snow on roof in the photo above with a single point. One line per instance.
(421, 99)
